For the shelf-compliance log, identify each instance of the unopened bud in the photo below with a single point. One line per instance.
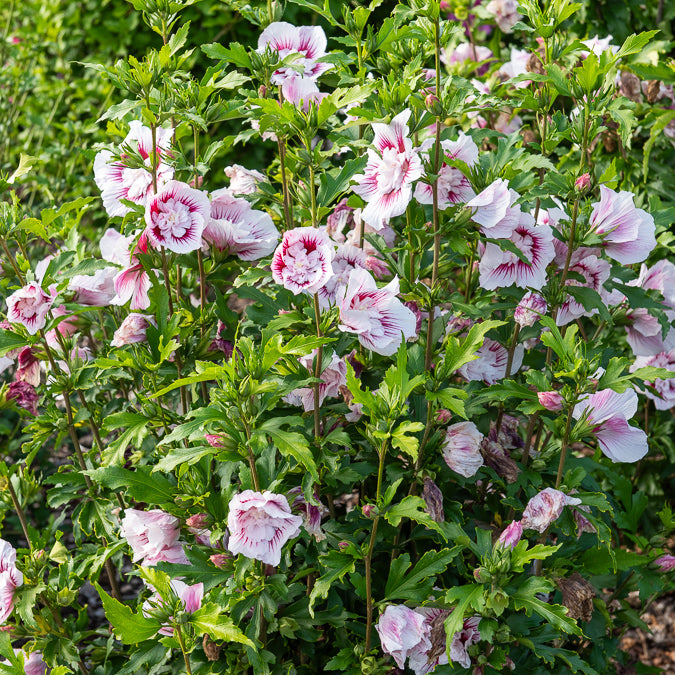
(551, 400)
(343, 545)
(433, 105)
(583, 182)
(443, 416)
(198, 520)
(368, 510)
(220, 559)
(481, 575)
(262, 91)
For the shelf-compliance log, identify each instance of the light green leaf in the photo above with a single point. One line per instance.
(129, 627)
(208, 620)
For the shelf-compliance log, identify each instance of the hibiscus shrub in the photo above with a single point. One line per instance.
(397, 398)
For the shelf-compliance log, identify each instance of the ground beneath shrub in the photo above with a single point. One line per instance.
(658, 647)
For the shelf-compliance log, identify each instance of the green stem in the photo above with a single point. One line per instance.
(317, 371)
(19, 511)
(563, 448)
(284, 184)
(181, 642)
(15, 267)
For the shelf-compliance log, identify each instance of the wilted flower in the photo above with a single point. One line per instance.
(627, 232)
(220, 559)
(463, 639)
(237, 228)
(10, 579)
(24, 395)
(118, 181)
(577, 596)
(243, 181)
(153, 536)
(423, 659)
(506, 15)
(28, 367)
(545, 508)
(666, 562)
(97, 289)
(499, 268)
(402, 630)
(310, 513)
(341, 217)
(461, 448)
(664, 399)
(302, 263)
(260, 523)
(377, 316)
(29, 306)
(495, 211)
(551, 400)
(511, 535)
(386, 185)
(433, 498)
(333, 376)
(176, 217)
(132, 329)
(608, 413)
(530, 309)
(309, 42)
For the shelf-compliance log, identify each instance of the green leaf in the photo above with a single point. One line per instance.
(25, 164)
(525, 598)
(129, 627)
(335, 183)
(290, 443)
(417, 584)
(463, 597)
(337, 565)
(414, 508)
(208, 619)
(522, 555)
(405, 443)
(635, 43)
(140, 484)
(188, 456)
(459, 352)
(135, 429)
(9, 341)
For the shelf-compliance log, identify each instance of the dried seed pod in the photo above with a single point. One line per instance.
(577, 596)
(211, 649)
(433, 498)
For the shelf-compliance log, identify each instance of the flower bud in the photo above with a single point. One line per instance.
(433, 104)
(551, 400)
(666, 563)
(369, 510)
(481, 575)
(433, 498)
(198, 520)
(443, 416)
(583, 182)
(511, 535)
(214, 440)
(530, 309)
(220, 559)
(343, 545)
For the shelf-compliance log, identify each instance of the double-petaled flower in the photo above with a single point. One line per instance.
(386, 184)
(29, 306)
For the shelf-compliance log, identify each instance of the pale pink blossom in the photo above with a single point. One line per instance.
(453, 186)
(302, 92)
(465, 52)
(118, 181)
(496, 211)
(311, 514)
(153, 536)
(29, 307)
(347, 258)
(530, 309)
(511, 535)
(402, 630)
(500, 268)
(376, 315)
(516, 66)
(545, 508)
(607, 413)
(97, 290)
(505, 13)
(308, 42)
(302, 263)
(333, 376)
(10, 579)
(664, 398)
(260, 523)
(424, 659)
(115, 247)
(508, 123)
(491, 361)
(133, 283)
(33, 664)
(386, 184)
(463, 639)
(551, 400)
(628, 233)
(243, 181)
(189, 598)
(132, 329)
(341, 217)
(666, 562)
(239, 229)
(461, 448)
(176, 217)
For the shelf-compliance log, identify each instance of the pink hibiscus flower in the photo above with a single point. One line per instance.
(237, 228)
(309, 42)
(302, 262)
(132, 283)
(377, 316)
(176, 217)
(153, 536)
(607, 414)
(628, 233)
(260, 523)
(495, 211)
(190, 598)
(118, 181)
(10, 579)
(347, 258)
(29, 306)
(386, 185)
